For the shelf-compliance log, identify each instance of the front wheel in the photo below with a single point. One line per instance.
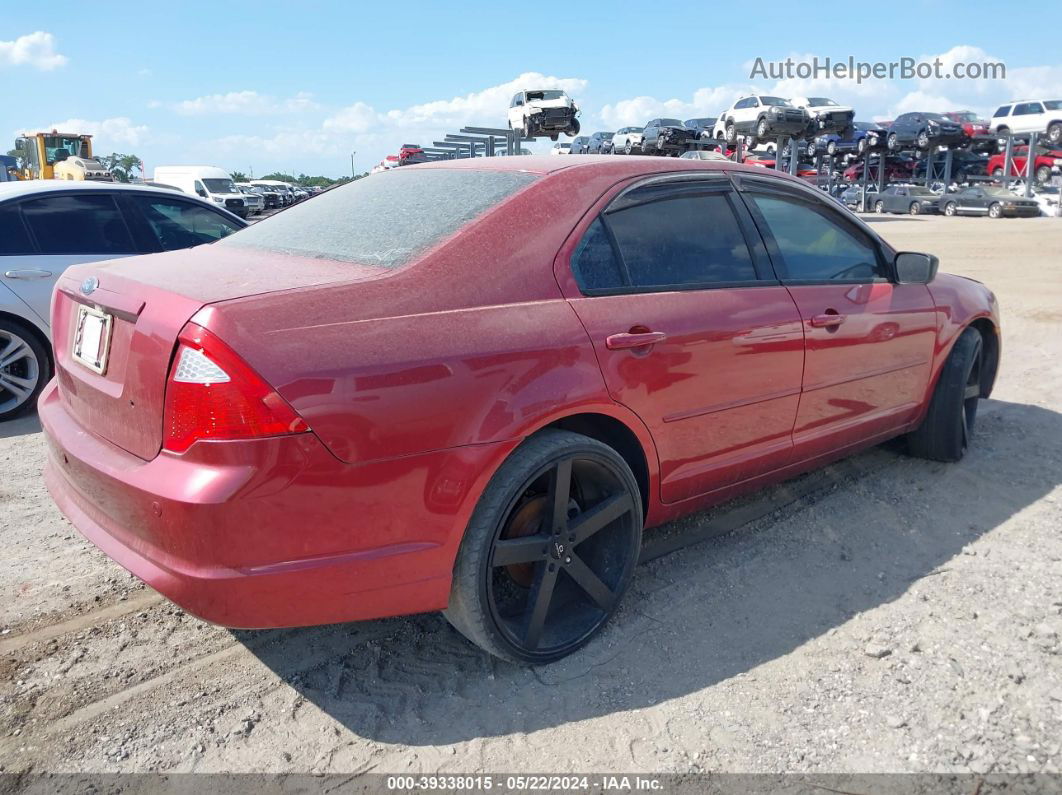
(892, 142)
(762, 129)
(549, 551)
(628, 148)
(573, 129)
(1043, 174)
(1054, 133)
(995, 210)
(915, 208)
(945, 433)
(24, 369)
(731, 133)
(879, 207)
(950, 209)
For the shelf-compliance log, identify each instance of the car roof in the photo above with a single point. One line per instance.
(620, 167)
(9, 190)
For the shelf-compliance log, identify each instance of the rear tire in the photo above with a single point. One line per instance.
(538, 511)
(995, 210)
(25, 368)
(945, 433)
(914, 209)
(879, 207)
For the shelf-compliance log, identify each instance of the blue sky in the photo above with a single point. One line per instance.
(298, 86)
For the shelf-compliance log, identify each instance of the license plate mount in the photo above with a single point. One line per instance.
(92, 338)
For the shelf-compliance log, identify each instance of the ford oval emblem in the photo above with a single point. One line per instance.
(90, 284)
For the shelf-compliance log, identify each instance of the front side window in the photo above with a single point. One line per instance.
(386, 219)
(77, 225)
(815, 244)
(656, 241)
(180, 224)
(1003, 111)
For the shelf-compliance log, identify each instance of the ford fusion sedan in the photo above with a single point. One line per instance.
(47, 225)
(332, 417)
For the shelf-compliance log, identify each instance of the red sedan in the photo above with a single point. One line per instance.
(1044, 166)
(333, 416)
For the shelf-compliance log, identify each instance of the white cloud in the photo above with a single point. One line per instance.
(34, 49)
(244, 103)
(107, 134)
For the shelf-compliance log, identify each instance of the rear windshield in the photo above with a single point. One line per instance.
(386, 219)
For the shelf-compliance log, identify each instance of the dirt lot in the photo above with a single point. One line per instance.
(907, 618)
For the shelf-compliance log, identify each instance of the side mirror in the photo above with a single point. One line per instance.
(915, 268)
(202, 193)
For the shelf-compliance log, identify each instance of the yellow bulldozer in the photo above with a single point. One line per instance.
(56, 155)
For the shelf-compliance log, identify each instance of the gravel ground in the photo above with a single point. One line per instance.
(905, 618)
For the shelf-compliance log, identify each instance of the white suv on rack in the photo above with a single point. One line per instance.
(627, 140)
(1030, 116)
(762, 117)
(547, 112)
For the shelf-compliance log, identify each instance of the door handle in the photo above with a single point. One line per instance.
(829, 319)
(626, 339)
(31, 273)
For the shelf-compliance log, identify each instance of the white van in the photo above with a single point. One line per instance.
(207, 182)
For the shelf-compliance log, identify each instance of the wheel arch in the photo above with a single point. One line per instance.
(617, 435)
(991, 348)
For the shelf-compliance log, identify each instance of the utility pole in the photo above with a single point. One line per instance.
(352, 174)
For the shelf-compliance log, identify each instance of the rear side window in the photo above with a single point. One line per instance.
(179, 224)
(85, 224)
(386, 219)
(676, 241)
(13, 236)
(816, 246)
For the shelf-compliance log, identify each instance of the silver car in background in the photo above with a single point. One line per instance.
(47, 226)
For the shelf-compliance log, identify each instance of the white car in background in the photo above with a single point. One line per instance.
(1024, 116)
(826, 115)
(627, 140)
(561, 149)
(548, 112)
(47, 225)
(761, 117)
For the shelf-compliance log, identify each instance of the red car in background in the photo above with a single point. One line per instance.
(315, 421)
(895, 170)
(1044, 164)
(804, 171)
(410, 153)
(971, 125)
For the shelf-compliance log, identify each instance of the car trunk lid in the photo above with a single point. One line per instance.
(145, 302)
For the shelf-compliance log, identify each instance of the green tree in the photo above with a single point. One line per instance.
(239, 176)
(122, 166)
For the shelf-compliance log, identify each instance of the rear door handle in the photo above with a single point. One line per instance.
(626, 339)
(30, 273)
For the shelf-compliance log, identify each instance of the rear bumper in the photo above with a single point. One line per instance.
(272, 532)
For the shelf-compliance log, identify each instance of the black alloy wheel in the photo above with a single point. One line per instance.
(550, 549)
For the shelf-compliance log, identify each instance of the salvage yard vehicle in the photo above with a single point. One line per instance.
(627, 140)
(548, 112)
(826, 116)
(1029, 116)
(923, 130)
(579, 145)
(763, 117)
(834, 144)
(666, 137)
(993, 202)
(1045, 164)
(47, 225)
(909, 199)
(597, 141)
(561, 149)
(703, 126)
(252, 198)
(492, 448)
(972, 125)
(207, 182)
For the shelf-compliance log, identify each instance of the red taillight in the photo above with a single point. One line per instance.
(211, 393)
